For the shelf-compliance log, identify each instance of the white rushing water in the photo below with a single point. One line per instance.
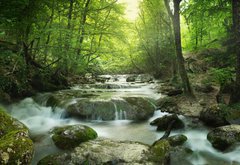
(40, 120)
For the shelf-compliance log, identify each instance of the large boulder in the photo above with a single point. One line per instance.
(68, 137)
(15, 145)
(140, 108)
(163, 149)
(92, 109)
(160, 151)
(213, 116)
(224, 137)
(132, 108)
(103, 151)
(168, 104)
(162, 123)
(63, 98)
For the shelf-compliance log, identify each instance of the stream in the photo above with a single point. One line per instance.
(40, 119)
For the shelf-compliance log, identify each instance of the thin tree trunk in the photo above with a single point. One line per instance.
(235, 96)
(178, 45)
(82, 26)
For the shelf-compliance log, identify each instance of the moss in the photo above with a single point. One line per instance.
(71, 136)
(18, 146)
(160, 151)
(53, 101)
(51, 160)
(15, 145)
(8, 123)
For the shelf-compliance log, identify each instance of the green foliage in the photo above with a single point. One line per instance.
(155, 43)
(224, 110)
(222, 76)
(13, 78)
(207, 23)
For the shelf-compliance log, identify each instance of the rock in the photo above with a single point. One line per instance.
(140, 108)
(68, 137)
(62, 98)
(53, 101)
(103, 151)
(15, 145)
(224, 137)
(92, 109)
(169, 149)
(143, 78)
(180, 155)
(175, 92)
(213, 116)
(176, 140)
(168, 104)
(131, 78)
(132, 108)
(160, 151)
(204, 88)
(163, 122)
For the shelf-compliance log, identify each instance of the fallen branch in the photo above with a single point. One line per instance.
(167, 132)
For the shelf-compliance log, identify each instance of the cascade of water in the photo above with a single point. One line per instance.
(120, 114)
(40, 120)
(37, 118)
(121, 117)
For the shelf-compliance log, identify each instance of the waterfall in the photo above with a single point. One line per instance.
(36, 117)
(120, 114)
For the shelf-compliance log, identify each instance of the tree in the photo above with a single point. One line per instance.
(235, 97)
(175, 16)
(155, 44)
(207, 23)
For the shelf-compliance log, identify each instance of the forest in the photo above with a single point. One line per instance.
(182, 56)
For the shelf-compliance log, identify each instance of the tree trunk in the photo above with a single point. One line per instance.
(235, 96)
(178, 44)
(82, 26)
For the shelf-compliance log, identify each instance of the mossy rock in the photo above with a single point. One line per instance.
(15, 145)
(71, 136)
(92, 109)
(214, 116)
(177, 140)
(53, 101)
(160, 151)
(224, 137)
(162, 123)
(140, 108)
(51, 160)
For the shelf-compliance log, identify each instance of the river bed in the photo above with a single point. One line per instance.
(41, 119)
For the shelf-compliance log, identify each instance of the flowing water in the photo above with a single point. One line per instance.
(41, 119)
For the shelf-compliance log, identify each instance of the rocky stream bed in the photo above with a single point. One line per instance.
(120, 121)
